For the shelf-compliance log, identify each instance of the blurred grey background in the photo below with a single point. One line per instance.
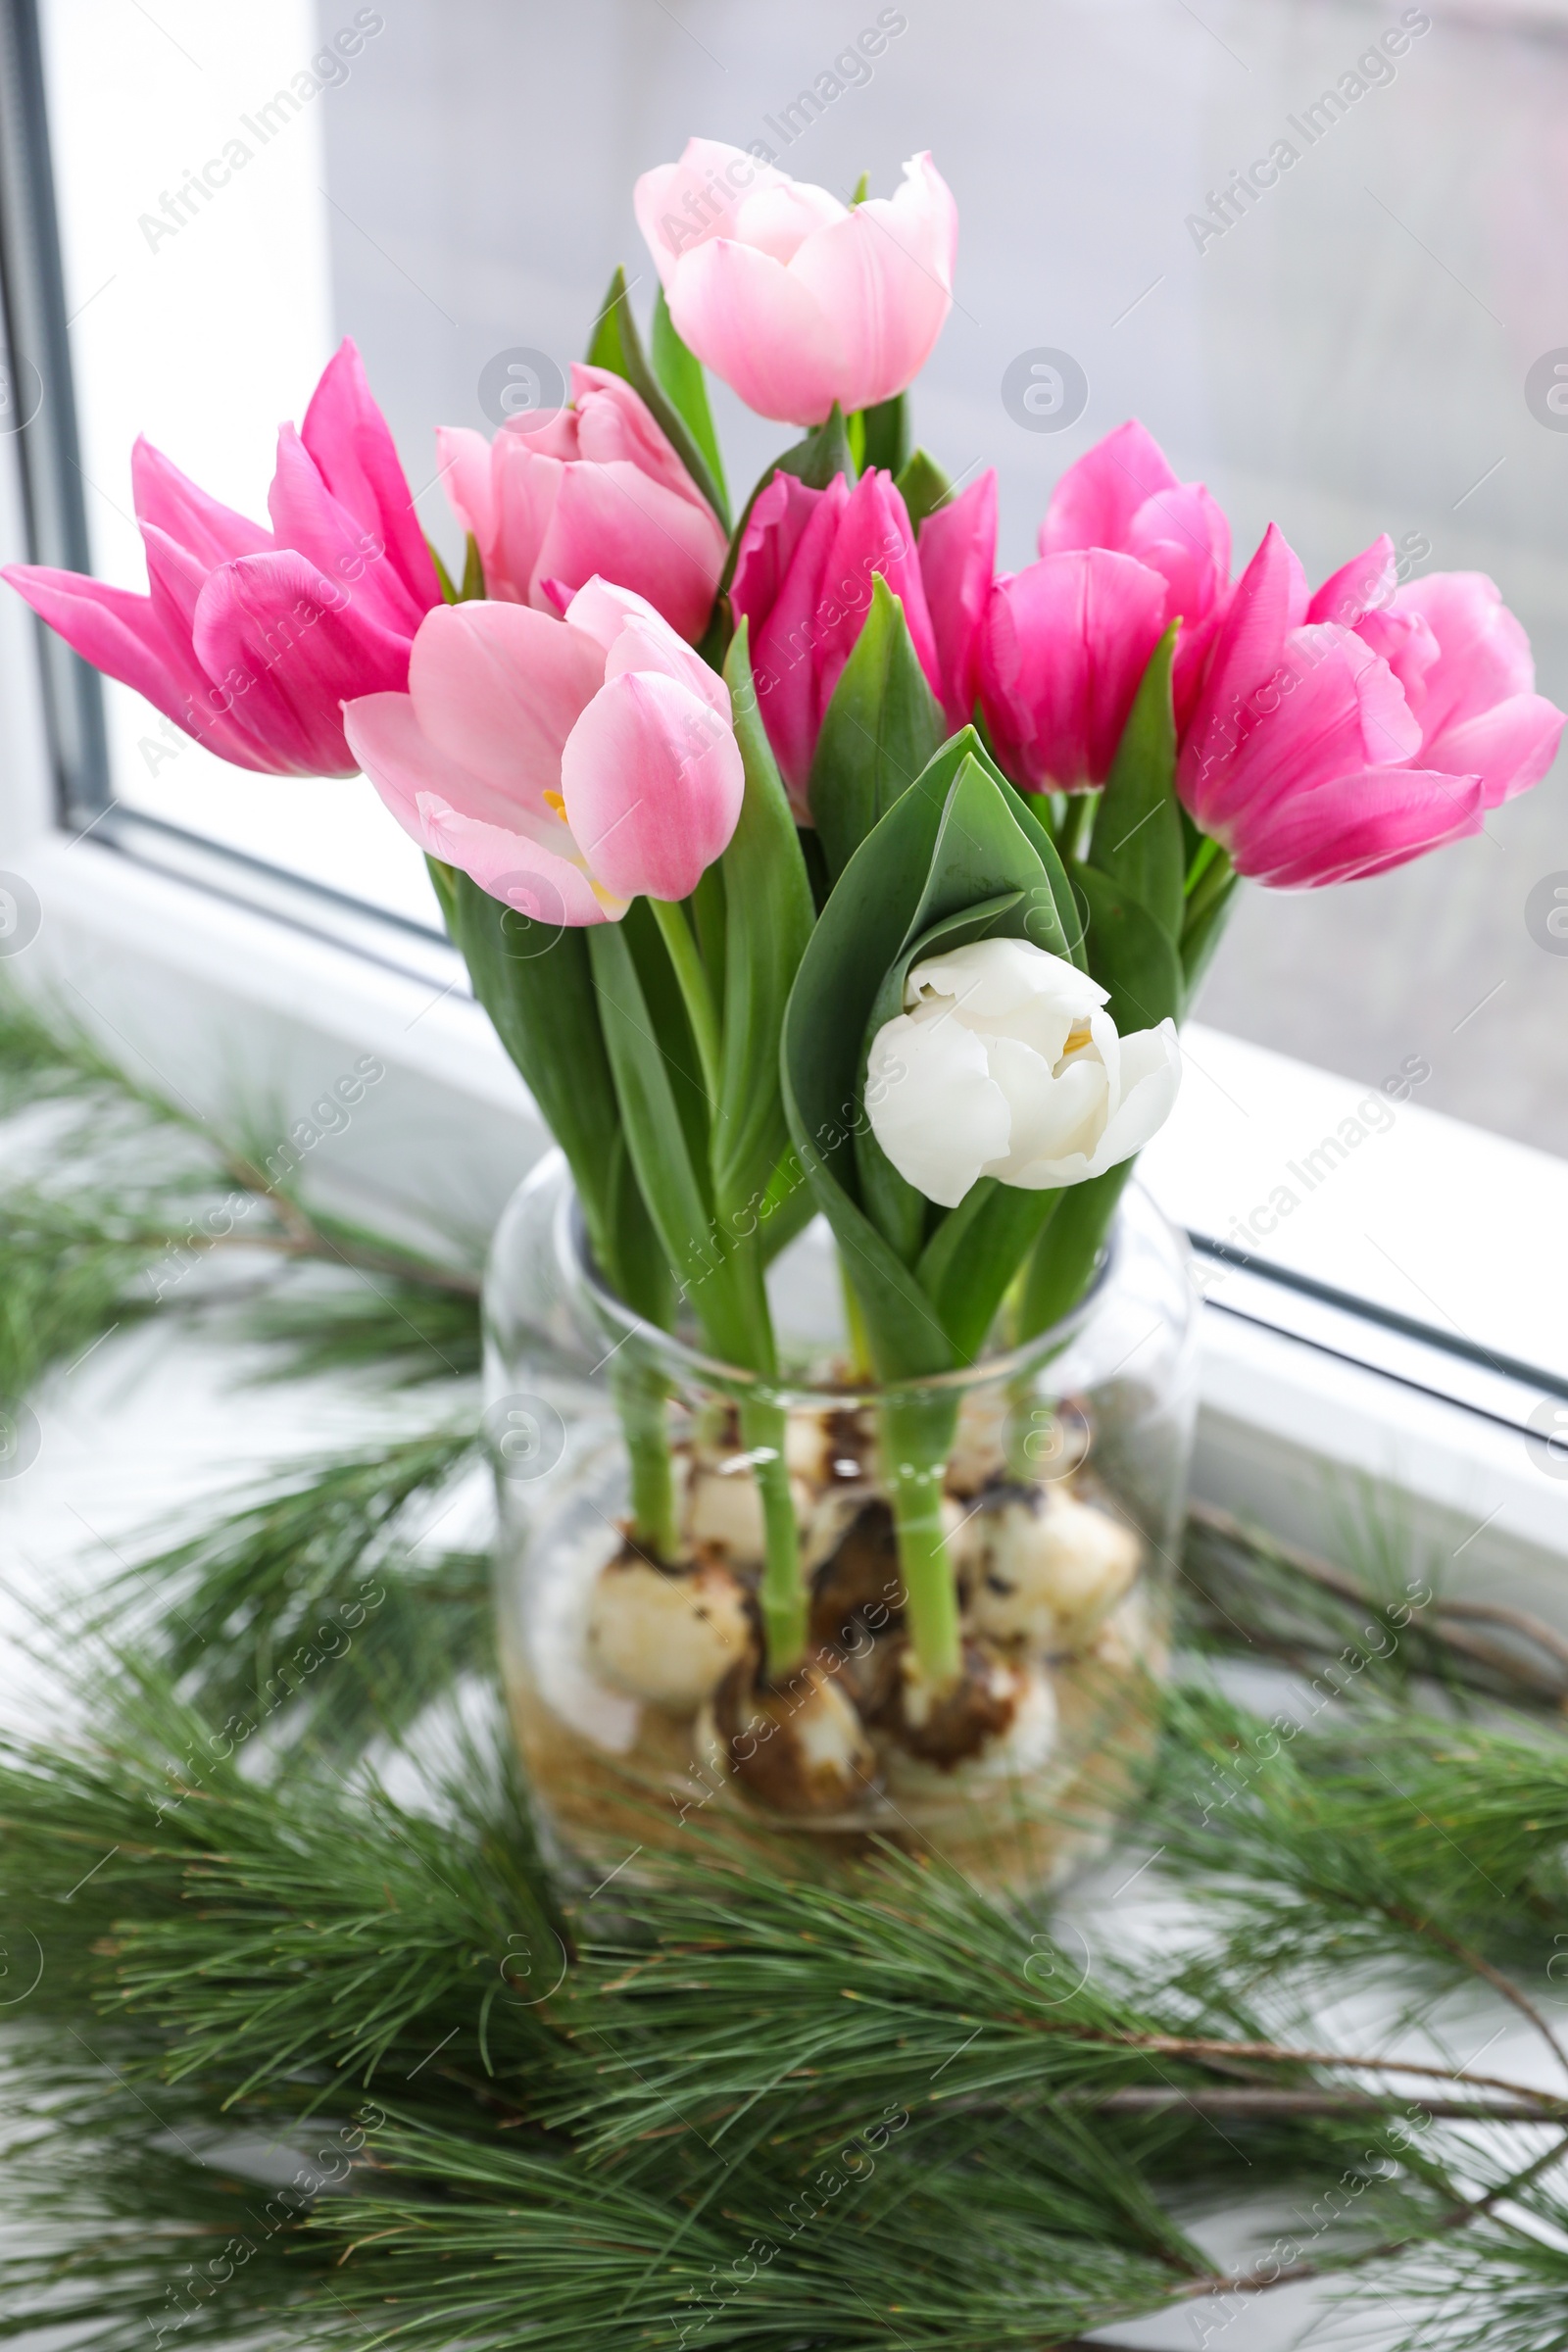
(1348, 357)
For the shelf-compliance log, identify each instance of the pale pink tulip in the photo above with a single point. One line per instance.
(595, 488)
(1062, 647)
(957, 560)
(567, 766)
(1123, 495)
(795, 299)
(804, 579)
(1321, 752)
(251, 639)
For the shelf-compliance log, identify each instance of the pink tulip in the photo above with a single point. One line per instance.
(958, 559)
(1465, 666)
(567, 766)
(251, 639)
(795, 299)
(1062, 647)
(802, 578)
(1337, 735)
(557, 497)
(1122, 495)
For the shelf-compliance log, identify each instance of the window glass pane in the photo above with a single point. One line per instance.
(1347, 352)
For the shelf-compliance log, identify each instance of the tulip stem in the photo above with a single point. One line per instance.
(1212, 884)
(918, 1434)
(1084, 807)
(781, 1595)
(696, 993)
(640, 1395)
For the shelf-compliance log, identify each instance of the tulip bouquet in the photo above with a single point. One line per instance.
(804, 863)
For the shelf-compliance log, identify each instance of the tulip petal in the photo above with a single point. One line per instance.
(1094, 503)
(350, 444)
(1341, 827)
(457, 817)
(1332, 707)
(463, 460)
(934, 1107)
(957, 560)
(612, 520)
(615, 422)
(1150, 1079)
(307, 516)
(1485, 653)
(1055, 1116)
(653, 782)
(1509, 747)
(127, 638)
(498, 689)
(1063, 647)
(680, 205)
(761, 326)
(786, 649)
(291, 647)
(1366, 584)
(883, 275)
(208, 532)
(650, 645)
(1267, 602)
(873, 536)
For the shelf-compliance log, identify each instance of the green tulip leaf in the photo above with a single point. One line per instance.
(1068, 1251)
(880, 729)
(768, 917)
(974, 1254)
(680, 372)
(885, 434)
(672, 1177)
(1138, 829)
(924, 487)
(535, 982)
(950, 860)
(1129, 955)
(825, 451)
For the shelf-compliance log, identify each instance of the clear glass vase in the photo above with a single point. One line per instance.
(642, 1705)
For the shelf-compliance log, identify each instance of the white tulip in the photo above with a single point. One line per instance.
(1006, 1063)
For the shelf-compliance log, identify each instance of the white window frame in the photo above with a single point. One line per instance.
(213, 976)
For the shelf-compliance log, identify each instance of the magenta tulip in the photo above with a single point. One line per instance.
(596, 488)
(795, 299)
(567, 766)
(1062, 647)
(251, 639)
(957, 560)
(802, 578)
(1464, 664)
(1123, 495)
(1341, 734)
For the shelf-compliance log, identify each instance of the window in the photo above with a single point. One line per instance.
(1363, 335)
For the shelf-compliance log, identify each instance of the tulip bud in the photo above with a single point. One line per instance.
(795, 298)
(1005, 1063)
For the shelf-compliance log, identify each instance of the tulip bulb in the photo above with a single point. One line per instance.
(996, 1720)
(667, 1637)
(798, 1748)
(1048, 1570)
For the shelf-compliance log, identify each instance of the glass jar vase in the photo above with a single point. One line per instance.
(638, 1682)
